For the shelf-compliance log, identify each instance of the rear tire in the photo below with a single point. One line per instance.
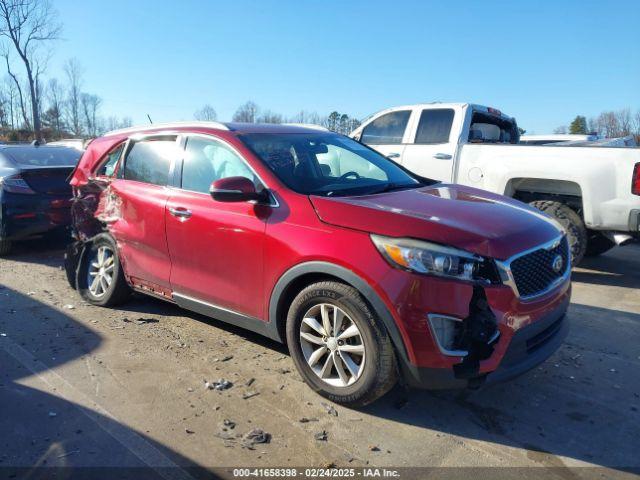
(5, 247)
(597, 244)
(101, 280)
(573, 224)
(353, 363)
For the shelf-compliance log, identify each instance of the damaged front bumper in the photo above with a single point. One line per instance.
(497, 335)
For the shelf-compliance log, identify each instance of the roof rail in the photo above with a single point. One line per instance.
(154, 126)
(307, 125)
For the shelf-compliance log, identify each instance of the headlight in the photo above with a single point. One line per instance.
(433, 259)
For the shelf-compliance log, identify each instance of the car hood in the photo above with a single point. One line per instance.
(464, 217)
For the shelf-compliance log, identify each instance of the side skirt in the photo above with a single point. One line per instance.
(268, 329)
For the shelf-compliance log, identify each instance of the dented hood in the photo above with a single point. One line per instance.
(463, 217)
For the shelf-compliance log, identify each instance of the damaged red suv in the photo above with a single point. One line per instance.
(367, 272)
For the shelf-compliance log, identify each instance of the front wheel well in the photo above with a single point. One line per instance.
(293, 289)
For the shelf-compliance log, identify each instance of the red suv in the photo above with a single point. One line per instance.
(368, 272)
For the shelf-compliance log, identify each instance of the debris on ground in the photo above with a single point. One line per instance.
(189, 431)
(142, 321)
(53, 414)
(307, 420)
(249, 382)
(321, 436)
(255, 436)
(228, 424)
(247, 395)
(219, 385)
(329, 408)
(68, 306)
(374, 448)
(283, 371)
(227, 358)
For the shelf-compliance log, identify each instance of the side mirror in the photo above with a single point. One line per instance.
(235, 189)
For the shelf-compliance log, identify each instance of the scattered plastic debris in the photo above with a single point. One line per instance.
(255, 436)
(68, 306)
(321, 436)
(228, 424)
(221, 384)
(329, 408)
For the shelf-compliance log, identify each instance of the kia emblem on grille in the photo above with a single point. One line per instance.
(557, 264)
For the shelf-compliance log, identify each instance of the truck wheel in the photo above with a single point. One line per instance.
(100, 277)
(5, 247)
(573, 224)
(339, 346)
(597, 244)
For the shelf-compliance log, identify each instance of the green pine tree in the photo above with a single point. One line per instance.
(579, 125)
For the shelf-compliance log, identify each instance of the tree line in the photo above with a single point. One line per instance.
(610, 124)
(250, 112)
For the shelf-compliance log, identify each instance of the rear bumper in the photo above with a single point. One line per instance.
(528, 347)
(23, 216)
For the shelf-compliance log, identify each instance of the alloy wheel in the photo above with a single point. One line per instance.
(332, 345)
(100, 273)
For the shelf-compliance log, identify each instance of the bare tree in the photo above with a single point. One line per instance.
(561, 130)
(90, 107)
(269, 117)
(113, 123)
(73, 72)
(623, 119)
(246, 113)
(17, 89)
(52, 116)
(29, 25)
(206, 114)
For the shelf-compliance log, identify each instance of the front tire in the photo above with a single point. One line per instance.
(573, 224)
(339, 346)
(101, 280)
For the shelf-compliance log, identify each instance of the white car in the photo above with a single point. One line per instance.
(594, 192)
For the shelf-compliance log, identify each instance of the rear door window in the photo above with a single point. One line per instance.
(386, 129)
(435, 126)
(108, 168)
(149, 160)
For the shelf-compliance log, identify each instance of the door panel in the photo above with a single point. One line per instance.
(217, 251)
(431, 152)
(216, 248)
(137, 217)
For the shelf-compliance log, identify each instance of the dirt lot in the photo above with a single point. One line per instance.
(85, 386)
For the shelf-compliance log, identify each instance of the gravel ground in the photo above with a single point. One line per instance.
(92, 387)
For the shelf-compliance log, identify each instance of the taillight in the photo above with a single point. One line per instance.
(635, 182)
(15, 184)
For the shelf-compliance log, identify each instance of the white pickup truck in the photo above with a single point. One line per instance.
(593, 191)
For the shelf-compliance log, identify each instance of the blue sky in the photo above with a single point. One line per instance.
(543, 62)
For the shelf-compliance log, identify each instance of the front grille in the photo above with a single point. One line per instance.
(534, 272)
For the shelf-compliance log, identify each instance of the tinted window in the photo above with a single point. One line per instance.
(206, 161)
(149, 160)
(109, 166)
(388, 128)
(327, 164)
(434, 126)
(43, 156)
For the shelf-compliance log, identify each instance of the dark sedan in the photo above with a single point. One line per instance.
(34, 193)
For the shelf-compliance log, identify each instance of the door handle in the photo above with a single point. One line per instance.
(442, 156)
(180, 212)
(393, 155)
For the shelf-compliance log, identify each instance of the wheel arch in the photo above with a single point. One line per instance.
(304, 274)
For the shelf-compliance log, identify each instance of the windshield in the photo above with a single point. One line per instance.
(43, 156)
(327, 164)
